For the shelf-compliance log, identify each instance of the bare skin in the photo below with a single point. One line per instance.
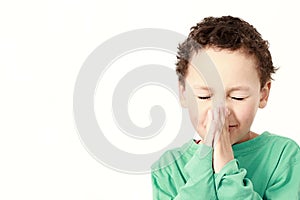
(230, 122)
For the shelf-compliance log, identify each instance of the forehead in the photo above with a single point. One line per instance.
(211, 67)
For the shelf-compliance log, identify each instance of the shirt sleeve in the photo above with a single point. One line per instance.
(285, 181)
(286, 185)
(232, 184)
(199, 185)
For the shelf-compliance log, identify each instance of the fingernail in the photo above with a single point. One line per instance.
(227, 112)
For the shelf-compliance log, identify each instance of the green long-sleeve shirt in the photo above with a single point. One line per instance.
(266, 167)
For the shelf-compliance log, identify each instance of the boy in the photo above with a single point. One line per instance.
(230, 161)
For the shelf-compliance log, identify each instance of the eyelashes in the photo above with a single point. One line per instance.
(204, 98)
(237, 98)
(233, 98)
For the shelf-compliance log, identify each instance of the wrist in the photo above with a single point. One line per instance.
(221, 156)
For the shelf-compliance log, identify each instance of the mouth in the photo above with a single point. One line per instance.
(232, 126)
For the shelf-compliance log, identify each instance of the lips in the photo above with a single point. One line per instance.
(233, 126)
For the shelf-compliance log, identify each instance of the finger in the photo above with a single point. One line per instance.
(220, 123)
(209, 129)
(208, 121)
(226, 122)
(227, 112)
(223, 114)
(215, 112)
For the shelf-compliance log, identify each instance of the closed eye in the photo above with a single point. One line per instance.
(204, 98)
(238, 98)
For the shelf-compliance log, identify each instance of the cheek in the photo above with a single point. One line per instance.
(245, 114)
(193, 116)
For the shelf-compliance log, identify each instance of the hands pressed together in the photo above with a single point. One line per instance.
(218, 137)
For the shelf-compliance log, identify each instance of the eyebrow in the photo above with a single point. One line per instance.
(202, 87)
(236, 88)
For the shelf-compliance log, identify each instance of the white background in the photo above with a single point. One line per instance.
(42, 47)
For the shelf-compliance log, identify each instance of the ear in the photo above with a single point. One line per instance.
(182, 95)
(264, 95)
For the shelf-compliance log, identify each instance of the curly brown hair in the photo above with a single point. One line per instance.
(230, 33)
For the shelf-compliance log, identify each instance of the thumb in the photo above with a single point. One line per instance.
(210, 129)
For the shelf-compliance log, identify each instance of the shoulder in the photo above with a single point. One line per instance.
(281, 141)
(286, 148)
(174, 157)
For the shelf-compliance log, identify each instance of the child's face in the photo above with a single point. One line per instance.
(241, 92)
